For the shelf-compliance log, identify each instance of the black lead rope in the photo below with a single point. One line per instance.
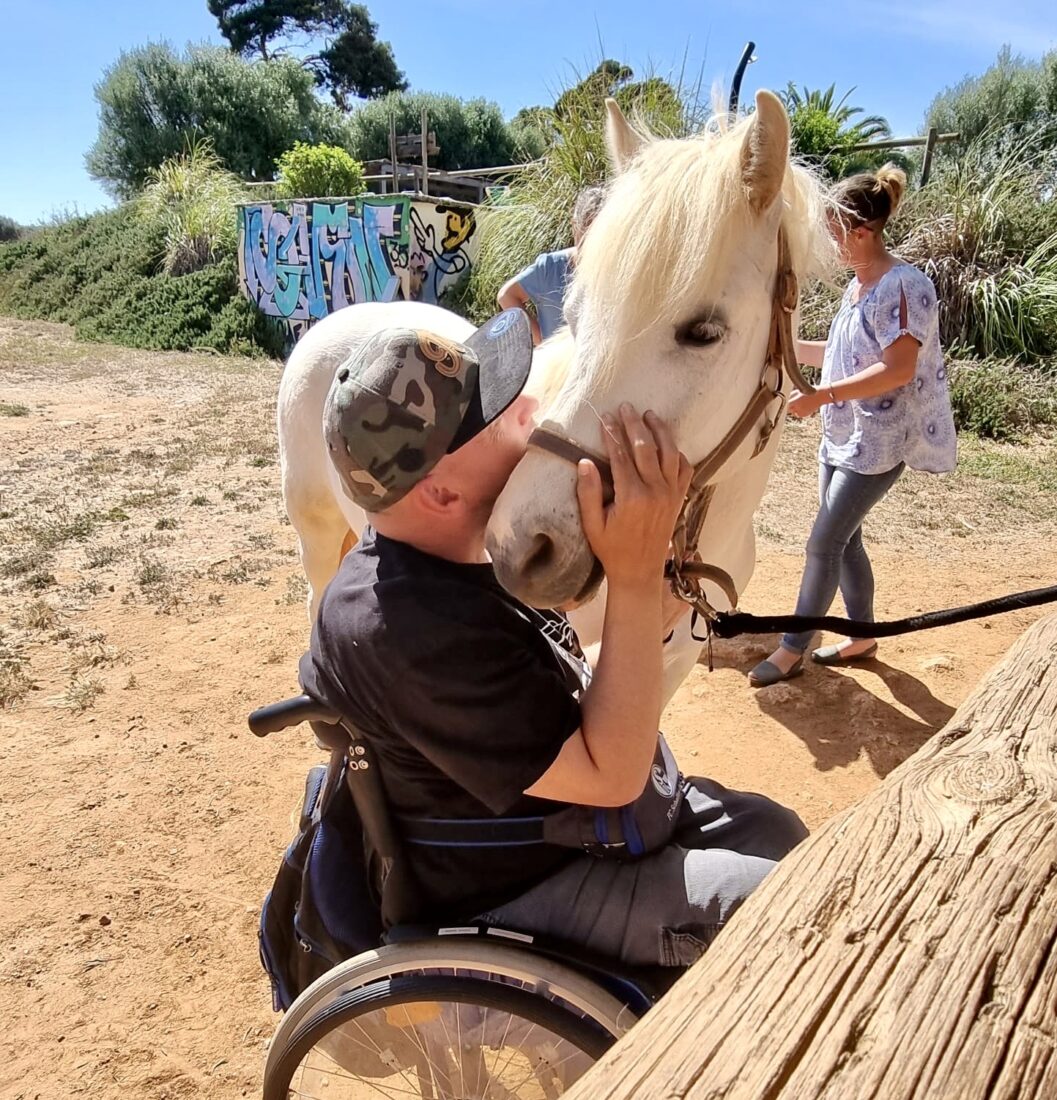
(729, 624)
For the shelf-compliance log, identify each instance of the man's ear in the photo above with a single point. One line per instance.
(435, 498)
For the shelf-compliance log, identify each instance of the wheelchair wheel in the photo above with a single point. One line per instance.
(443, 1021)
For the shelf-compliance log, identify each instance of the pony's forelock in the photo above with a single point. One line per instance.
(680, 200)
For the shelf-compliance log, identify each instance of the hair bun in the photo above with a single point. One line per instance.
(893, 181)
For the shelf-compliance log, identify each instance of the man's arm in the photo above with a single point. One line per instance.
(607, 761)
(512, 295)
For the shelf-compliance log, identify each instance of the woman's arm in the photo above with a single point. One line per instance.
(895, 369)
(811, 353)
(512, 296)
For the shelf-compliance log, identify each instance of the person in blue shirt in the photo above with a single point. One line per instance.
(544, 281)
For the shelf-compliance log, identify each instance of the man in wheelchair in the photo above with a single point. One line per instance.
(531, 789)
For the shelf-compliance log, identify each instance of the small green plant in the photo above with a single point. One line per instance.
(60, 527)
(82, 693)
(318, 171)
(15, 683)
(91, 651)
(98, 557)
(25, 562)
(166, 523)
(38, 615)
(13, 410)
(151, 573)
(199, 501)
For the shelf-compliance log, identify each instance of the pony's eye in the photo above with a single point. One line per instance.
(700, 333)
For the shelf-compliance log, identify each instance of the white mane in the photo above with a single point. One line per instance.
(664, 236)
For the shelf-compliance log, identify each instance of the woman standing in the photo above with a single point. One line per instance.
(885, 406)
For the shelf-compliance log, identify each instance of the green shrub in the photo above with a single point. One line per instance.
(1013, 91)
(100, 275)
(471, 133)
(534, 214)
(318, 171)
(823, 128)
(985, 231)
(191, 199)
(1002, 400)
(10, 230)
(154, 101)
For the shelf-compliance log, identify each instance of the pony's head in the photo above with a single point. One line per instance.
(669, 309)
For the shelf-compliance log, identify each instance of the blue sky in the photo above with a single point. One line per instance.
(897, 54)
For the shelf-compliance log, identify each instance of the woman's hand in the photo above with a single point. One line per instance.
(650, 479)
(804, 404)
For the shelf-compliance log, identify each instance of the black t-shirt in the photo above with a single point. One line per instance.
(466, 697)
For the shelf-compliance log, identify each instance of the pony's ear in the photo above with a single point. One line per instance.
(765, 152)
(622, 139)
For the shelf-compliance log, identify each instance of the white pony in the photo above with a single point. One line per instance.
(669, 310)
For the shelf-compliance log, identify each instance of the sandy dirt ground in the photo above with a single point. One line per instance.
(150, 596)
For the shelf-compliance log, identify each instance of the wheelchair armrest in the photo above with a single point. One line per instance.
(291, 712)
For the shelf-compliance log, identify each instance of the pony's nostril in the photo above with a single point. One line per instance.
(540, 555)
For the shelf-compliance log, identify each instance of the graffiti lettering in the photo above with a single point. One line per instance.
(299, 263)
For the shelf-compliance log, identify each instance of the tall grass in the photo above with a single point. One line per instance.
(533, 214)
(985, 231)
(192, 198)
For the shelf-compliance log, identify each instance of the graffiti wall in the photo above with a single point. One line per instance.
(299, 261)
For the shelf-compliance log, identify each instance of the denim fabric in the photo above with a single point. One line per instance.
(836, 556)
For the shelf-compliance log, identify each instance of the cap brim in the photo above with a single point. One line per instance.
(503, 347)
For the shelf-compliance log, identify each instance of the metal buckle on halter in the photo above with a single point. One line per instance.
(770, 423)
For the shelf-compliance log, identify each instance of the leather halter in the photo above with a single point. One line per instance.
(685, 570)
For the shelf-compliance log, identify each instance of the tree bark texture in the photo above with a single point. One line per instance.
(906, 950)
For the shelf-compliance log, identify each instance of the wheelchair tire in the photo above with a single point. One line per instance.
(438, 1037)
(457, 958)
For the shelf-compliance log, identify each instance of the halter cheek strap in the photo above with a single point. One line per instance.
(684, 570)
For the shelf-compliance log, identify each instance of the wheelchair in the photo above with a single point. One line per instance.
(457, 1013)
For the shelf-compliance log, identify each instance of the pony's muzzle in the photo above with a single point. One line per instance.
(544, 569)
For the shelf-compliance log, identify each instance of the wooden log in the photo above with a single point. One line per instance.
(906, 950)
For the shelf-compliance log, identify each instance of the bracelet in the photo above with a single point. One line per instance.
(832, 395)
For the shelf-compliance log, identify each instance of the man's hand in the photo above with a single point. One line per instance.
(650, 479)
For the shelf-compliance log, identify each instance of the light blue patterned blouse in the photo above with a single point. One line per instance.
(913, 424)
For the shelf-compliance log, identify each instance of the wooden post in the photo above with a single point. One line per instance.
(392, 152)
(926, 163)
(425, 151)
(906, 951)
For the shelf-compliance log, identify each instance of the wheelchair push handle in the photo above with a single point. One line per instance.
(291, 712)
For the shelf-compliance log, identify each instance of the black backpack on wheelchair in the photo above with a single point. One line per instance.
(469, 1012)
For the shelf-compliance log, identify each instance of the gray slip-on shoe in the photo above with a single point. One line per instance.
(832, 655)
(766, 673)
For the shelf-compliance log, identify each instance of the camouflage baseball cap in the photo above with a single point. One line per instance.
(406, 398)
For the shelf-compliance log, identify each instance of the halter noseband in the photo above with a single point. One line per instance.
(685, 570)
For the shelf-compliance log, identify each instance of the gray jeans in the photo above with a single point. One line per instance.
(666, 908)
(836, 556)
